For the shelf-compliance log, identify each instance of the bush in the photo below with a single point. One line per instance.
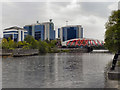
(33, 44)
(43, 47)
(26, 47)
(11, 44)
(53, 43)
(30, 43)
(5, 44)
(20, 44)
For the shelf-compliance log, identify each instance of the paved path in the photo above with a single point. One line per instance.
(113, 80)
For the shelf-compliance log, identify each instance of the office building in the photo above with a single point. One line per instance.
(58, 32)
(70, 32)
(41, 31)
(15, 33)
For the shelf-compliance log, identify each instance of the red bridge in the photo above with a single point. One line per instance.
(82, 42)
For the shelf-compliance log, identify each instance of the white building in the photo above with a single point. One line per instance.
(15, 33)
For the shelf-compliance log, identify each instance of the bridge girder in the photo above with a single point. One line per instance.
(83, 42)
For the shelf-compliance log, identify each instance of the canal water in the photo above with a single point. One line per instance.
(56, 70)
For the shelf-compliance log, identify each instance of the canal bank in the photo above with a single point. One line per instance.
(113, 76)
(19, 52)
(30, 52)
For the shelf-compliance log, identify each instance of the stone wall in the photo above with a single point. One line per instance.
(75, 50)
(5, 52)
(19, 52)
(25, 52)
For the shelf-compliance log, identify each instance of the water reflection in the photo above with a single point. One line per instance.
(70, 70)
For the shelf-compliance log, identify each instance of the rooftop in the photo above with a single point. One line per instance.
(15, 27)
(39, 23)
(72, 26)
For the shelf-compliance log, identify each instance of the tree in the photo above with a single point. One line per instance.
(5, 44)
(32, 42)
(26, 45)
(20, 44)
(11, 44)
(43, 47)
(112, 34)
(53, 43)
(29, 38)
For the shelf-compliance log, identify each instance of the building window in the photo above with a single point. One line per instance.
(8, 36)
(15, 37)
(38, 35)
(29, 29)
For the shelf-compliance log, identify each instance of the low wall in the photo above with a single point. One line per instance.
(75, 50)
(5, 52)
(25, 52)
(19, 52)
(81, 50)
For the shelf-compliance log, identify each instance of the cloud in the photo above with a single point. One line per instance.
(113, 6)
(60, 0)
(91, 15)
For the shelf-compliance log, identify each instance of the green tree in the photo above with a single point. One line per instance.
(20, 44)
(112, 34)
(33, 44)
(5, 44)
(26, 45)
(43, 47)
(53, 43)
(11, 44)
(29, 38)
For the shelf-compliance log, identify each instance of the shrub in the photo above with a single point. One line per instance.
(43, 47)
(5, 44)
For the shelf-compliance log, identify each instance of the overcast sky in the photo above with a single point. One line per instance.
(91, 15)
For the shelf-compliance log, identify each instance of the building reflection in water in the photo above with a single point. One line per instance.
(68, 70)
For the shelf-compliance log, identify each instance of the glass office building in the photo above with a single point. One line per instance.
(70, 32)
(58, 32)
(15, 33)
(37, 31)
(41, 31)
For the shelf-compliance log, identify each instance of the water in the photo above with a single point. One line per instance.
(59, 70)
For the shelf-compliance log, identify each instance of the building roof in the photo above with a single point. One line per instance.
(46, 22)
(34, 24)
(43, 23)
(72, 26)
(15, 27)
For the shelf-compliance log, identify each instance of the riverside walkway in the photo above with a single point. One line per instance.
(113, 80)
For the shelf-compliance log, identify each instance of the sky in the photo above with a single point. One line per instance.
(91, 15)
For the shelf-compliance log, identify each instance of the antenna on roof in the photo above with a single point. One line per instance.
(50, 20)
(37, 21)
(66, 23)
